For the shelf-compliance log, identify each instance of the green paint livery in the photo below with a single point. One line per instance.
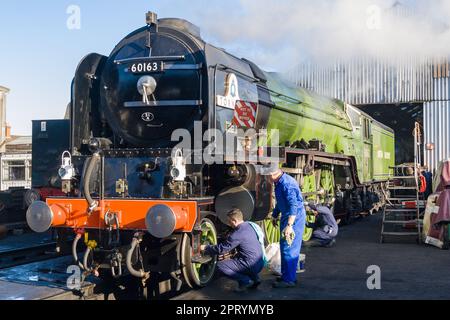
(300, 114)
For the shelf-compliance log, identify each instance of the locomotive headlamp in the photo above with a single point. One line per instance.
(146, 86)
(175, 173)
(66, 172)
(178, 170)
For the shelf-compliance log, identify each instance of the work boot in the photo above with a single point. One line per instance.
(280, 279)
(245, 287)
(283, 285)
(331, 244)
(314, 243)
(256, 284)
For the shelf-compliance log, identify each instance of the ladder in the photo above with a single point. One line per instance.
(402, 214)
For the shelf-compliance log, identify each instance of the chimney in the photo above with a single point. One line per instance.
(8, 131)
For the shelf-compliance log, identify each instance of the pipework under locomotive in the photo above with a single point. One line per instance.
(141, 194)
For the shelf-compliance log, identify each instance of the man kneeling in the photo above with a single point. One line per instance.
(325, 228)
(248, 262)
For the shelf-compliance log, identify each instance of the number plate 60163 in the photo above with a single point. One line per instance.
(146, 67)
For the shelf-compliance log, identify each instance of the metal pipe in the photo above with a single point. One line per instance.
(75, 252)
(119, 268)
(177, 280)
(87, 179)
(85, 259)
(136, 273)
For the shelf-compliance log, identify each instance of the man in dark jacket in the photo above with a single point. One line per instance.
(248, 262)
(325, 228)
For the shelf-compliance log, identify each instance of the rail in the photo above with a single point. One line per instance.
(21, 256)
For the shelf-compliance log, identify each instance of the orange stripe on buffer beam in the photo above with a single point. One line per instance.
(160, 217)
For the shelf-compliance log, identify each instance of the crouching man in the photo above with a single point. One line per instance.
(248, 261)
(325, 228)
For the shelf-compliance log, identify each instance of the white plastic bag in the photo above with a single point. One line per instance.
(273, 255)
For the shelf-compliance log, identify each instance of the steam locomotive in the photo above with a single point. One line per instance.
(142, 203)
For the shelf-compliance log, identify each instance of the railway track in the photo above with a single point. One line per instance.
(38, 272)
(21, 256)
(47, 280)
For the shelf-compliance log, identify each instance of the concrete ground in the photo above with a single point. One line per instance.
(408, 271)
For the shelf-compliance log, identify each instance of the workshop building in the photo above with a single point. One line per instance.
(396, 93)
(15, 153)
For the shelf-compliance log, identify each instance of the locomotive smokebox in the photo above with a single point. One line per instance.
(151, 84)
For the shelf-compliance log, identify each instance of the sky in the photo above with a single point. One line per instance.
(42, 44)
(39, 53)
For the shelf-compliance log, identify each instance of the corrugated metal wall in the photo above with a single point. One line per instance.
(378, 81)
(437, 132)
(366, 81)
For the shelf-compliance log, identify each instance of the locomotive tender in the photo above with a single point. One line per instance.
(142, 203)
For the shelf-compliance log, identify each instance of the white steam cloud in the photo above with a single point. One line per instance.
(278, 34)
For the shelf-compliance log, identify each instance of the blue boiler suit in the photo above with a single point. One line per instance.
(290, 203)
(326, 228)
(248, 262)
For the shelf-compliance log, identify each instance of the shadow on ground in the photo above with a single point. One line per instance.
(408, 271)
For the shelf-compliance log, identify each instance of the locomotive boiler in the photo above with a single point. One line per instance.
(143, 188)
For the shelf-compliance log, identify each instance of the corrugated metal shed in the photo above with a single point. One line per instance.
(437, 132)
(378, 81)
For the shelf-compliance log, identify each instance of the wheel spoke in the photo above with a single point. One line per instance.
(207, 237)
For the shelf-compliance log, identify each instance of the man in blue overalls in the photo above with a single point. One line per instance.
(325, 228)
(248, 240)
(293, 218)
